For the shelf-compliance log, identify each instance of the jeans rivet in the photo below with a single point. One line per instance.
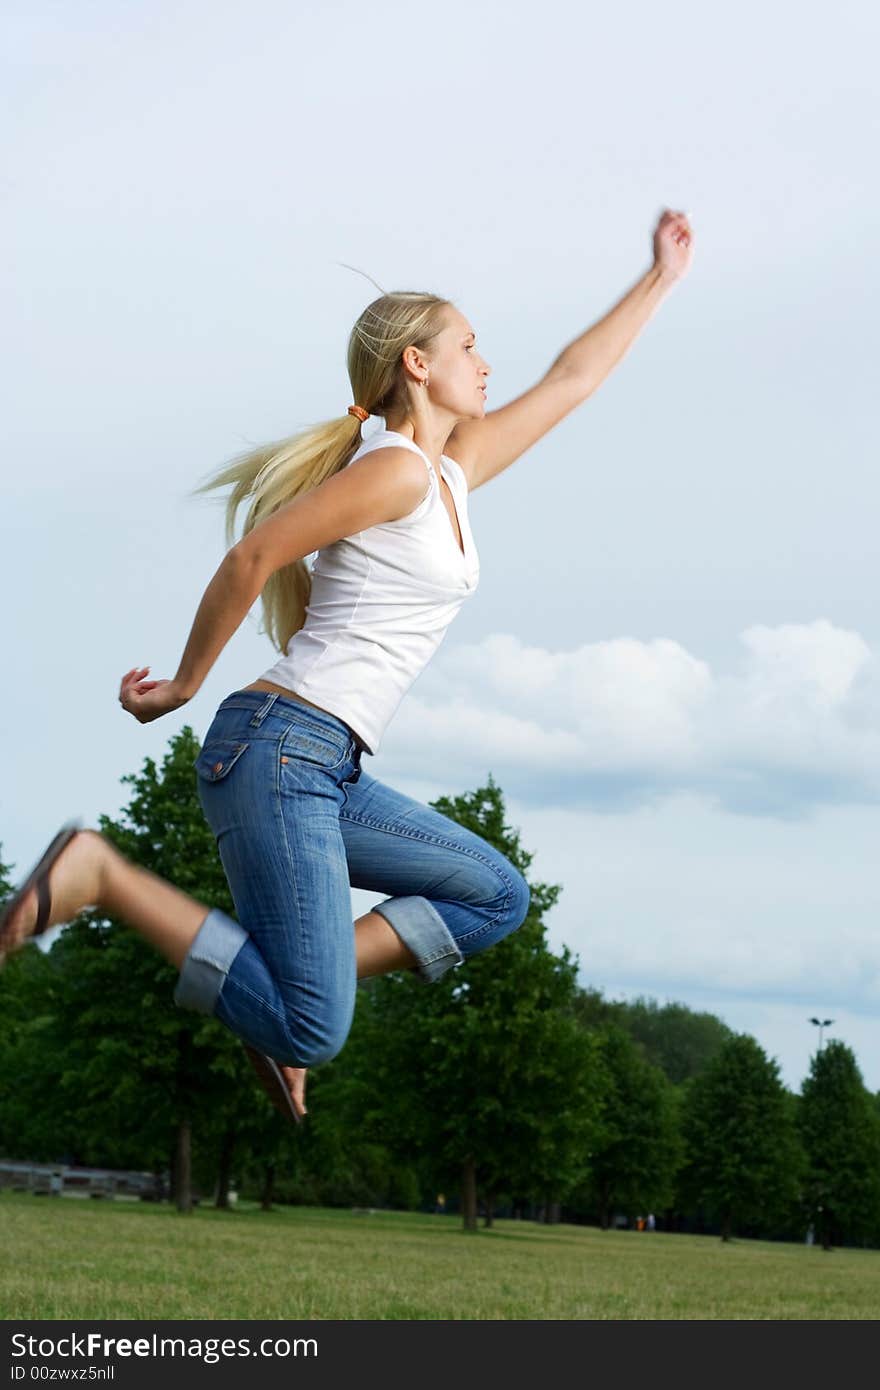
(218, 767)
(285, 760)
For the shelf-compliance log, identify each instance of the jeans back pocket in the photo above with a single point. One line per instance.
(307, 744)
(218, 758)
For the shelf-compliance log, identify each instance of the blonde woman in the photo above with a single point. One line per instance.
(297, 821)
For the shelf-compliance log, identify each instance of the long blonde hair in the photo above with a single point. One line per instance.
(269, 477)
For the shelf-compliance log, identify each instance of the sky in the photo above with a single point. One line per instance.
(670, 666)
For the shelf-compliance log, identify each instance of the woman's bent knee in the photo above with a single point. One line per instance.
(516, 906)
(309, 1047)
(508, 912)
(521, 896)
(309, 1056)
(505, 895)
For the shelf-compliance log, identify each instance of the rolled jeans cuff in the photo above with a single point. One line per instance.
(207, 963)
(422, 929)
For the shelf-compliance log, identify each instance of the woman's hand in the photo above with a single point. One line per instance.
(148, 700)
(673, 245)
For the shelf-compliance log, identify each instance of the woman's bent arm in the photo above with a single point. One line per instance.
(383, 486)
(221, 612)
(225, 604)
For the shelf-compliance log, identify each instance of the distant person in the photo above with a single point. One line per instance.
(650, 1223)
(297, 821)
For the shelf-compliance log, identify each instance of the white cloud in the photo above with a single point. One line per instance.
(742, 916)
(768, 916)
(618, 723)
(762, 922)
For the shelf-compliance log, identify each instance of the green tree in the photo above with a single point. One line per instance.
(743, 1159)
(678, 1040)
(486, 1073)
(675, 1038)
(141, 1077)
(6, 885)
(31, 1124)
(637, 1149)
(32, 1119)
(841, 1135)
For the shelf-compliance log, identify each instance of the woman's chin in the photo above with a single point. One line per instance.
(476, 412)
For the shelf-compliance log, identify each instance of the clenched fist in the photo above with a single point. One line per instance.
(673, 245)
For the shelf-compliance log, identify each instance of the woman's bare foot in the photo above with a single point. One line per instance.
(284, 1086)
(75, 882)
(295, 1080)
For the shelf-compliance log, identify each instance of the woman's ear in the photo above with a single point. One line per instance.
(415, 363)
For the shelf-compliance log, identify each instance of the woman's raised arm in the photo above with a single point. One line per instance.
(486, 447)
(384, 485)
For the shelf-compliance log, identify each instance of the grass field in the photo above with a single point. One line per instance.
(66, 1258)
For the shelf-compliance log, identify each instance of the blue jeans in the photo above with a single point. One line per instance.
(297, 822)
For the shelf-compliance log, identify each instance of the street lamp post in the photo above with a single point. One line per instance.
(822, 1023)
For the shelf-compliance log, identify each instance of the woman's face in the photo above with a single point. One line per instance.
(457, 372)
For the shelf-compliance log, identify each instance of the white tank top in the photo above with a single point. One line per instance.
(380, 604)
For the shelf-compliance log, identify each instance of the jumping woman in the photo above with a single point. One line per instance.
(296, 819)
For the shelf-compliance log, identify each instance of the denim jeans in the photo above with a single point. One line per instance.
(297, 822)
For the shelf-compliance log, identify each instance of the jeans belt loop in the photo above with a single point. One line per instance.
(356, 759)
(264, 709)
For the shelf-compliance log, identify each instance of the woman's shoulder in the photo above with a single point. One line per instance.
(385, 448)
(386, 441)
(386, 482)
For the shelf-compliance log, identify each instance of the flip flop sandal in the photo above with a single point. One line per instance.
(38, 878)
(272, 1082)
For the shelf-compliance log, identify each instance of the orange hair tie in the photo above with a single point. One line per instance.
(359, 411)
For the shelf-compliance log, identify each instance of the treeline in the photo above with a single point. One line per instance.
(506, 1084)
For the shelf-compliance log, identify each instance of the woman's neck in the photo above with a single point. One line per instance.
(431, 437)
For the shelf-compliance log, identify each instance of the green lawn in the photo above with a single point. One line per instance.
(68, 1258)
